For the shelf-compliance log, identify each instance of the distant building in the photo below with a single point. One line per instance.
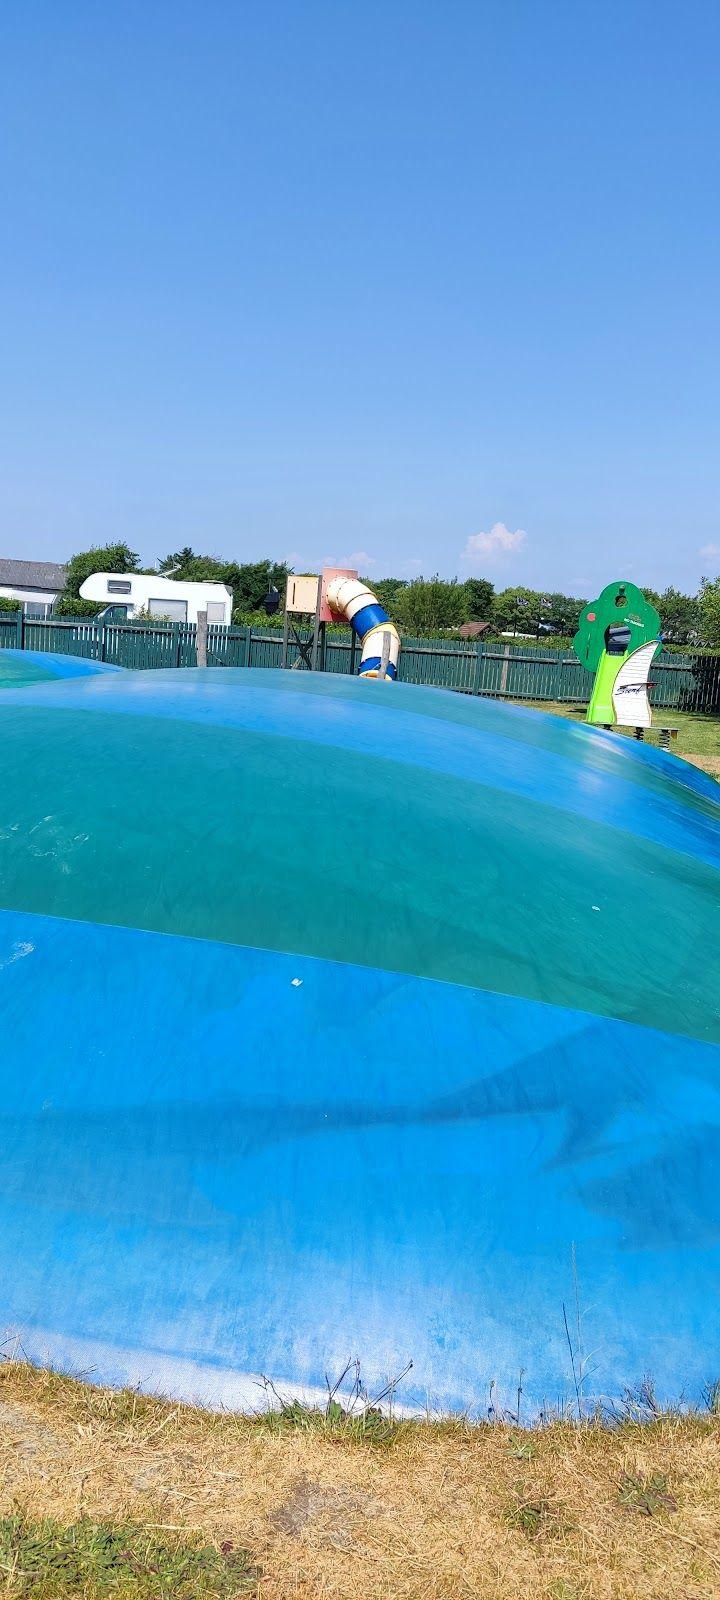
(132, 592)
(36, 584)
(474, 630)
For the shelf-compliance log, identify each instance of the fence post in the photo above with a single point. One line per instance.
(504, 670)
(202, 638)
(385, 656)
(176, 643)
(20, 629)
(479, 653)
(101, 637)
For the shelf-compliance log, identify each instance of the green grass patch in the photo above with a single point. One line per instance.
(648, 1496)
(49, 1560)
(369, 1426)
(533, 1514)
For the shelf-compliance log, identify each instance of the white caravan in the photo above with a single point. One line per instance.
(157, 596)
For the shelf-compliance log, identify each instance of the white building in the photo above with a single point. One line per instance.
(36, 584)
(132, 592)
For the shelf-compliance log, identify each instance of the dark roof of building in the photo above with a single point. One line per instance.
(472, 630)
(32, 574)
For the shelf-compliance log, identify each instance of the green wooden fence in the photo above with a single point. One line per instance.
(508, 671)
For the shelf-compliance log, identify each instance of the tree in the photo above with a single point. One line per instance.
(100, 558)
(180, 558)
(517, 608)
(563, 612)
(429, 605)
(679, 616)
(479, 594)
(709, 609)
(388, 591)
(187, 567)
(70, 605)
(249, 580)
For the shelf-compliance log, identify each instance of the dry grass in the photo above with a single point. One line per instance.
(435, 1512)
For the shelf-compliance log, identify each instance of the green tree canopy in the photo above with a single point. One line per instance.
(179, 558)
(517, 608)
(680, 616)
(388, 591)
(563, 612)
(478, 594)
(709, 609)
(116, 557)
(430, 604)
(100, 558)
(249, 580)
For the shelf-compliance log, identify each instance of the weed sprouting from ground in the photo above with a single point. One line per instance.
(352, 1415)
(648, 1496)
(48, 1560)
(533, 1514)
(370, 1426)
(521, 1449)
(711, 1397)
(638, 1403)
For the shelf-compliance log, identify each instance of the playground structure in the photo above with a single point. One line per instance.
(617, 639)
(264, 1111)
(338, 595)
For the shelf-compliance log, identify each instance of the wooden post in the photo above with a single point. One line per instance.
(504, 670)
(202, 638)
(385, 656)
(318, 633)
(558, 687)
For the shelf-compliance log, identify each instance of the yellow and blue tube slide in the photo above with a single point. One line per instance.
(351, 599)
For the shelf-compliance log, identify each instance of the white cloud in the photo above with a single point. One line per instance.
(357, 558)
(710, 550)
(499, 541)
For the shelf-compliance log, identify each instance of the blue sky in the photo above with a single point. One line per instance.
(421, 286)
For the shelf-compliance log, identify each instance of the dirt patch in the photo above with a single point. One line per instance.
(22, 1431)
(709, 764)
(333, 1513)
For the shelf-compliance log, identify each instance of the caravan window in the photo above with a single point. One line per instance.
(215, 611)
(175, 610)
(119, 586)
